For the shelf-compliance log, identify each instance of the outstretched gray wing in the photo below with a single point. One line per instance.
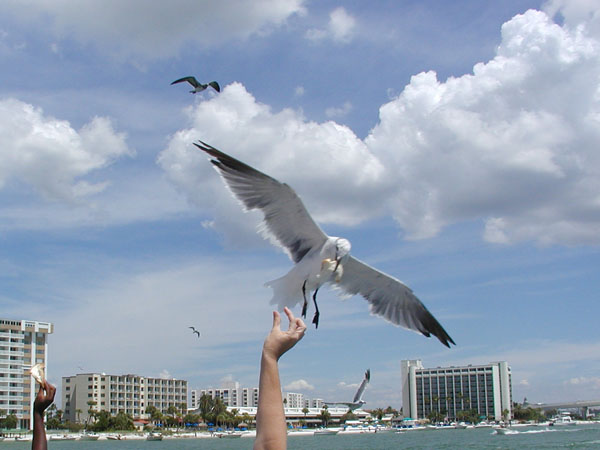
(391, 299)
(285, 216)
(362, 386)
(190, 80)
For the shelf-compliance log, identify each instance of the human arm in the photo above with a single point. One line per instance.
(271, 430)
(44, 398)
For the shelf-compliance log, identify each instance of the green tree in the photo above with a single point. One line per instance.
(349, 415)
(205, 405)
(247, 419)
(218, 409)
(435, 416)
(91, 411)
(392, 411)
(379, 413)
(122, 422)
(9, 422)
(102, 422)
(324, 416)
(155, 415)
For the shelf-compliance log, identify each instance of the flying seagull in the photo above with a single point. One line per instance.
(319, 258)
(198, 87)
(195, 331)
(357, 401)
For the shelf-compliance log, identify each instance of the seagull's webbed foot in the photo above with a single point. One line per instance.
(316, 319)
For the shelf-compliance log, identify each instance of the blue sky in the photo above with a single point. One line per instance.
(453, 143)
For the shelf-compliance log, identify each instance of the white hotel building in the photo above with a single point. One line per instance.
(484, 388)
(23, 343)
(130, 394)
(232, 395)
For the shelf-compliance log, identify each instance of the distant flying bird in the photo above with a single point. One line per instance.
(198, 87)
(195, 331)
(357, 401)
(319, 258)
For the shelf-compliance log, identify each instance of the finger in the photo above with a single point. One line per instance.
(50, 391)
(276, 320)
(290, 317)
(300, 323)
(41, 391)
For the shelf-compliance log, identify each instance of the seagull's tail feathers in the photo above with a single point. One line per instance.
(286, 292)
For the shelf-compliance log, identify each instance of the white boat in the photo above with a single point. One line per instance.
(89, 437)
(325, 431)
(505, 430)
(61, 437)
(230, 434)
(154, 437)
(115, 437)
(460, 425)
(563, 419)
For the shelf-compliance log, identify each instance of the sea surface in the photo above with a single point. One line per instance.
(576, 437)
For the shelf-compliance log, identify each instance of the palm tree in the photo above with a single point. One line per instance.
(172, 412)
(91, 411)
(324, 416)
(78, 414)
(305, 410)
(378, 413)
(205, 405)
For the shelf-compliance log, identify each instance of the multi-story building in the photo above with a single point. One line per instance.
(23, 343)
(130, 394)
(293, 400)
(314, 403)
(449, 390)
(230, 393)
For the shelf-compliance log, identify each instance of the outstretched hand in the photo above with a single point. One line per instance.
(44, 398)
(278, 342)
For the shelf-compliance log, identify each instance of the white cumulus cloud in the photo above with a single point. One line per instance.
(299, 385)
(512, 145)
(52, 157)
(340, 28)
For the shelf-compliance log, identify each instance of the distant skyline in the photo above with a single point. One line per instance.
(455, 144)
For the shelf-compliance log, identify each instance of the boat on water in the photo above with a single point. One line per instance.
(563, 419)
(505, 430)
(154, 437)
(89, 437)
(61, 437)
(115, 437)
(325, 431)
(230, 434)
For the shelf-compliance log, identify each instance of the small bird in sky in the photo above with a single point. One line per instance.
(195, 331)
(198, 87)
(319, 258)
(357, 401)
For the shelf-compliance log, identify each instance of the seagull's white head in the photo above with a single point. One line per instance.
(342, 251)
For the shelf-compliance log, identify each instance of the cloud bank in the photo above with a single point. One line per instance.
(513, 145)
(157, 29)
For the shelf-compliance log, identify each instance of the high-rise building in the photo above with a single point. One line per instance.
(449, 390)
(23, 343)
(230, 392)
(130, 394)
(293, 400)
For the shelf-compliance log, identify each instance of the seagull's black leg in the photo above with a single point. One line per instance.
(305, 301)
(316, 316)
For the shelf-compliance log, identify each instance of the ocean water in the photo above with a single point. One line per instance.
(576, 437)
